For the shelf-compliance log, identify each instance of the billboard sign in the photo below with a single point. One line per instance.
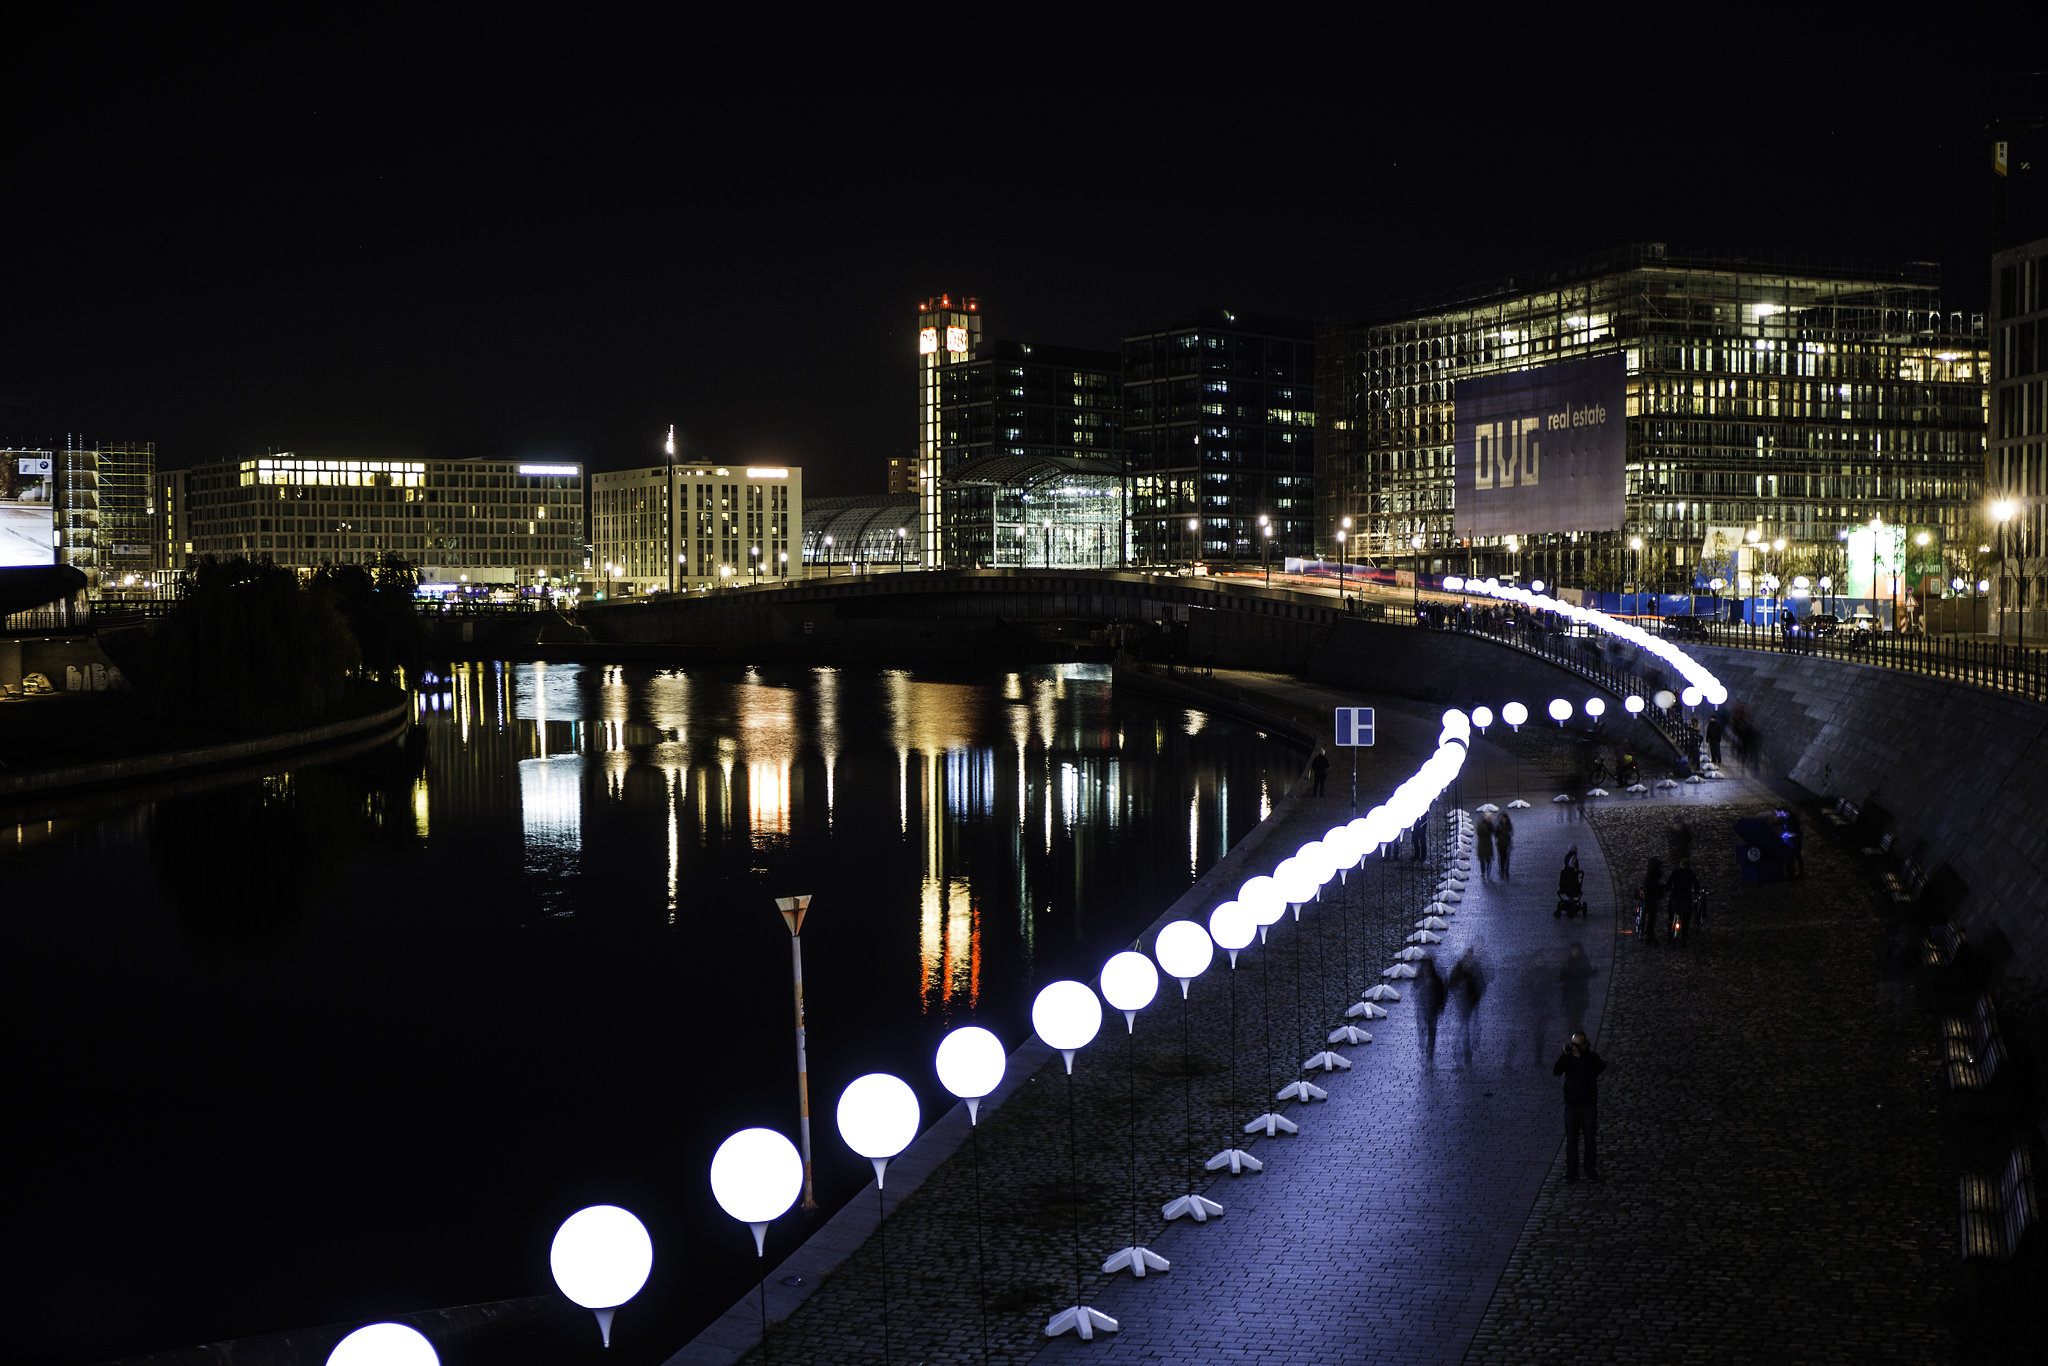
(1542, 450)
(1888, 561)
(27, 522)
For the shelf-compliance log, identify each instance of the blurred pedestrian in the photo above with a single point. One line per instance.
(1483, 839)
(1418, 837)
(1571, 882)
(1580, 1067)
(1503, 841)
(1683, 893)
(1650, 897)
(1576, 980)
(1429, 1008)
(1320, 766)
(1465, 985)
(1714, 731)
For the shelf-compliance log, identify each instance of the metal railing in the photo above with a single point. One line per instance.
(2005, 666)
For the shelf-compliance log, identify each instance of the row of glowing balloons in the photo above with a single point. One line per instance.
(1696, 674)
(601, 1256)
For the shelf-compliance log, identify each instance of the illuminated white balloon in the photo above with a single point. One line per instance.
(1691, 697)
(1665, 699)
(1596, 706)
(1536, 585)
(878, 1115)
(1634, 705)
(1296, 883)
(601, 1256)
(1560, 710)
(1185, 950)
(1514, 713)
(1716, 694)
(1261, 896)
(1067, 1016)
(1129, 982)
(971, 1065)
(1232, 927)
(1482, 717)
(1457, 722)
(384, 1344)
(756, 1175)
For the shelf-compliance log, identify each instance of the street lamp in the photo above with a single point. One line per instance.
(754, 564)
(902, 533)
(1877, 525)
(1340, 560)
(1266, 548)
(1921, 538)
(1415, 544)
(1635, 572)
(782, 563)
(828, 557)
(1194, 544)
(1048, 543)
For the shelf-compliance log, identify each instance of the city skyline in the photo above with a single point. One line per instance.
(391, 255)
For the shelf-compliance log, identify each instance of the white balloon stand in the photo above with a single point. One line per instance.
(1200, 1206)
(1237, 1159)
(1137, 1261)
(1079, 1319)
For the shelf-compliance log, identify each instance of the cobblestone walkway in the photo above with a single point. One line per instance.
(1776, 1184)
(1379, 1233)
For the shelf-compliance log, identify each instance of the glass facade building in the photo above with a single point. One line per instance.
(1795, 401)
(2018, 471)
(863, 532)
(1219, 423)
(691, 526)
(477, 522)
(1022, 421)
(1019, 511)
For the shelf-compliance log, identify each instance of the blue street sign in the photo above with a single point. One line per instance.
(1354, 726)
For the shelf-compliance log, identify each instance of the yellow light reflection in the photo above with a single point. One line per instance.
(768, 800)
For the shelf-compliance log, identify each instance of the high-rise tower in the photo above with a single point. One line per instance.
(947, 331)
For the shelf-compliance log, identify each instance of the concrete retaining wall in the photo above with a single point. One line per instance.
(1958, 769)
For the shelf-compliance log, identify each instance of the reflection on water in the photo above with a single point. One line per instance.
(1010, 797)
(528, 960)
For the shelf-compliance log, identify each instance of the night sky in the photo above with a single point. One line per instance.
(374, 240)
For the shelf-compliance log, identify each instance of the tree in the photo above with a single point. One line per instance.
(250, 648)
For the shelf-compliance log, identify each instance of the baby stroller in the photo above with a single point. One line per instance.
(1571, 886)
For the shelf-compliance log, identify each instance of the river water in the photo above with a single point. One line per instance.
(351, 1040)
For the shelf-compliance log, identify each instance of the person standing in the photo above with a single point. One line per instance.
(1429, 1008)
(1683, 891)
(1579, 1065)
(1503, 841)
(1320, 766)
(1651, 896)
(1576, 980)
(1714, 732)
(1483, 838)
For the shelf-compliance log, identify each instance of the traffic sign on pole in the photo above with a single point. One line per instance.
(1354, 726)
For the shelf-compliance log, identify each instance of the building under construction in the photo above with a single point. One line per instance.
(1793, 401)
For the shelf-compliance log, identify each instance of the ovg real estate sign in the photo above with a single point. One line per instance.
(1542, 450)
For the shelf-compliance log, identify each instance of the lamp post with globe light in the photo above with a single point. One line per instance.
(1266, 547)
(1129, 982)
(1068, 1015)
(1194, 543)
(971, 1064)
(756, 1176)
(878, 1118)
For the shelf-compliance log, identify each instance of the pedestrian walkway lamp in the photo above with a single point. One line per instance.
(756, 1176)
(793, 909)
(878, 1117)
(1261, 898)
(1297, 885)
(601, 1257)
(1129, 982)
(1067, 1016)
(384, 1344)
(1185, 951)
(1233, 928)
(971, 1064)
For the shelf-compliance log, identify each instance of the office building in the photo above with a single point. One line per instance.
(2017, 474)
(692, 526)
(94, 503)
(1219, 419)
(1683, 400)
(948, 329)
(171, 529)
(1029, 435)
(902, 474)
(470, 525)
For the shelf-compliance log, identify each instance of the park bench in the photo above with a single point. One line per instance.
(1907, 881)
(1974, 1047)
(1841, 813)
(1943, 945)
(2000, 1215)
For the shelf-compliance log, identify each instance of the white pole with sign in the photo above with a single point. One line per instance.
(1354, 731)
